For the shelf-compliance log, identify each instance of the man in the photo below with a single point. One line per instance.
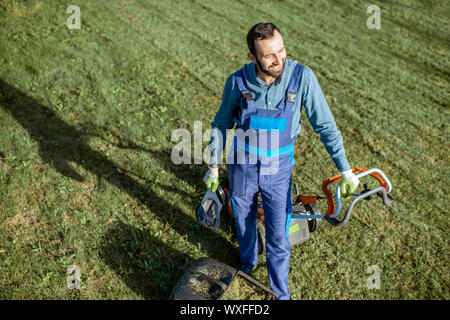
(264, 99)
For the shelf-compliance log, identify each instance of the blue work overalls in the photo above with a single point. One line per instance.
(264, 164)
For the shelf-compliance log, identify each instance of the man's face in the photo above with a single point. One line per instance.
(270, 55)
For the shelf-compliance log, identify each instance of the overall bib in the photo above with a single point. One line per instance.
(261, 160)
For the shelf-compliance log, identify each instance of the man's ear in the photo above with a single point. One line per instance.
(251, 57)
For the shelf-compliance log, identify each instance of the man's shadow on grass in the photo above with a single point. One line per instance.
(61, 143)
(148, 265)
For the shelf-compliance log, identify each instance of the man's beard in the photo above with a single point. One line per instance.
(275, 74)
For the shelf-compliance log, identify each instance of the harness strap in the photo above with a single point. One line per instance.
(239, 76)
(294, 83)
(249, 101)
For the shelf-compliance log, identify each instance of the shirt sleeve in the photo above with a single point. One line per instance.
(224, 119)
(322, 121)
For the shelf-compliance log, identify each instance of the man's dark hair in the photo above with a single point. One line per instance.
(260, 31)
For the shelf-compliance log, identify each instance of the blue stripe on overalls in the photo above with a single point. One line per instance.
(262, 161)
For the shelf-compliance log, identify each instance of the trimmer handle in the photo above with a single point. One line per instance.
(383, 191)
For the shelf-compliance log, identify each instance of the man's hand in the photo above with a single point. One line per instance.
(349, 183)
(212, 178)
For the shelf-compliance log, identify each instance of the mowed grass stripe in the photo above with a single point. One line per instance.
(189, 59)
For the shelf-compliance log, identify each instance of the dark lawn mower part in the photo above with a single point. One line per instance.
(208, 211)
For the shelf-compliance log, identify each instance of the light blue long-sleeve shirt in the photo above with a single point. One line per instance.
(268, 97)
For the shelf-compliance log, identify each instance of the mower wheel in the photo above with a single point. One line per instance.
(314, 224)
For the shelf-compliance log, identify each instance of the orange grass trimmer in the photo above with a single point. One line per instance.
(306, 216)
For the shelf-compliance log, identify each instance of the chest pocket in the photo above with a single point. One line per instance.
(262, 123)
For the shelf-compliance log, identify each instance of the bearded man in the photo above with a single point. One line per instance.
(264, 100)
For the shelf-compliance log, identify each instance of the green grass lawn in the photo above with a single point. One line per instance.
(86, 119)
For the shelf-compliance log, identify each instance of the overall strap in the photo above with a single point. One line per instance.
(293, 85)
(246, 94)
